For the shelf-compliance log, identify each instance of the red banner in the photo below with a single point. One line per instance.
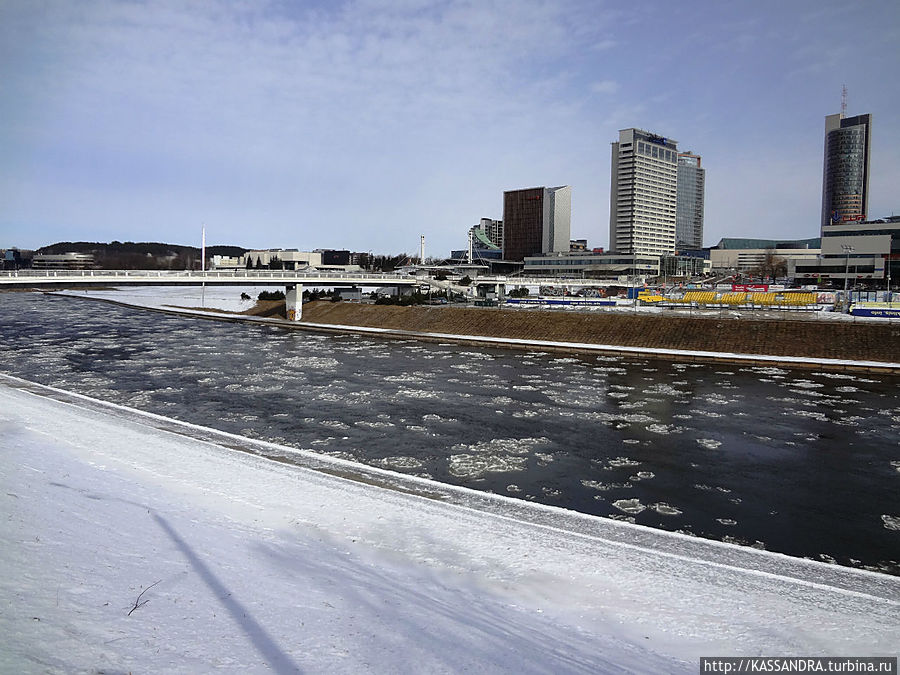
(750, 288)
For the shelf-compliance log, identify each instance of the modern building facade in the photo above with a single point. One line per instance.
(689, 206)
(732, 255)
(643, 193)
(845, 176)
(591, 265)
(536, 220)
(492, 231)
(866, 253)
(62, 261)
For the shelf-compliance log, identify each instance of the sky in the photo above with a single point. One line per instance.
(363, 124)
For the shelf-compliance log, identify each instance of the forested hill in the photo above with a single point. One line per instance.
(142, 248)
(140, 255)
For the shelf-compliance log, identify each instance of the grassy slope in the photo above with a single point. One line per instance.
(780, 337)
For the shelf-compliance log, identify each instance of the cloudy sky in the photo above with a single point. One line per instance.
(362, 124)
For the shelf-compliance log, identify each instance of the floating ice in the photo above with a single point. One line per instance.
(632, 506)
(603, 487)
(665, 429)
(806, 384)
(403, 463)
(623, 462)
(374, 425)
(309, 362)
(418, 393)
(812, 414)
(663, 389)
(437, 418)
(769, 371)
(709, 443)
(891, 522)
(516, 446)
(512, 487)
(718, 399)
(475, 466)
(664, 509)
(726, 521)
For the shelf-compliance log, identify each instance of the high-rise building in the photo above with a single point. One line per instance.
(689, 208)
(536, 220)
(643, 193)
(845, 177)
(491, 230)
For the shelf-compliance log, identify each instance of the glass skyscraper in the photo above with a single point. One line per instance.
(689, 212)
(845, 179)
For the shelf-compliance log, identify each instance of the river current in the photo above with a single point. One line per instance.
(801, 462)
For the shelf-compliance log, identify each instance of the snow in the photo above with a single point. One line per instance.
(224, 298)
(263, 566)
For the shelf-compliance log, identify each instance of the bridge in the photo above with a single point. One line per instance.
(292, 281)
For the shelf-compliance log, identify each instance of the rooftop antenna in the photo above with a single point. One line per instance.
(843, 101)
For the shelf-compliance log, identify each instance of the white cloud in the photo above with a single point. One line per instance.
(605, 87)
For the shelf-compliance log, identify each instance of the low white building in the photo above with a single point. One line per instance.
(745, 255)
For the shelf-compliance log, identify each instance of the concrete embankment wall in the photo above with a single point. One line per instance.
(772, 337)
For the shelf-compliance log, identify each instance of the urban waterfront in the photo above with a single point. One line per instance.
(802, 462)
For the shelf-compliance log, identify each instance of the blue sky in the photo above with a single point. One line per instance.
(364, 124)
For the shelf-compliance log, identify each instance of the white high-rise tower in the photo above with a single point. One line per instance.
(643, 193)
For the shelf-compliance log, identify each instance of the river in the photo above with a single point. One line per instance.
(801, 462)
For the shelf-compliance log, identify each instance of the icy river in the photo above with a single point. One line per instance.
(805, 463)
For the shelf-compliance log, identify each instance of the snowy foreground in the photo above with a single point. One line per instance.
(252, 565)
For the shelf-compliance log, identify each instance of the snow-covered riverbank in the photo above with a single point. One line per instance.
(263, 566)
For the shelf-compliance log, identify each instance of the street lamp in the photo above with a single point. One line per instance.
(847, 250)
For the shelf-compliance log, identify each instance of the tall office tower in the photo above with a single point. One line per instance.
(643, 193)
(689, 207)
(536, 220)
(845, 178)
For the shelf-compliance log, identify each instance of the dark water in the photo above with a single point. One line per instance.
(805, 463)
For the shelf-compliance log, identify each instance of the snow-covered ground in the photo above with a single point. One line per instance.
(225, 298)
(252, 565)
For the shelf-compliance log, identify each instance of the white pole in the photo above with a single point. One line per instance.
(202, 249)
(422, 250)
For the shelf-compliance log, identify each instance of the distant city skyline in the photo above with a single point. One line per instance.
(357, 126)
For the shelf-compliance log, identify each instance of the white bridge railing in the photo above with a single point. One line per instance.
(224, 275)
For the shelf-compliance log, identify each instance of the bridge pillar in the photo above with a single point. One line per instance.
(293, 301)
